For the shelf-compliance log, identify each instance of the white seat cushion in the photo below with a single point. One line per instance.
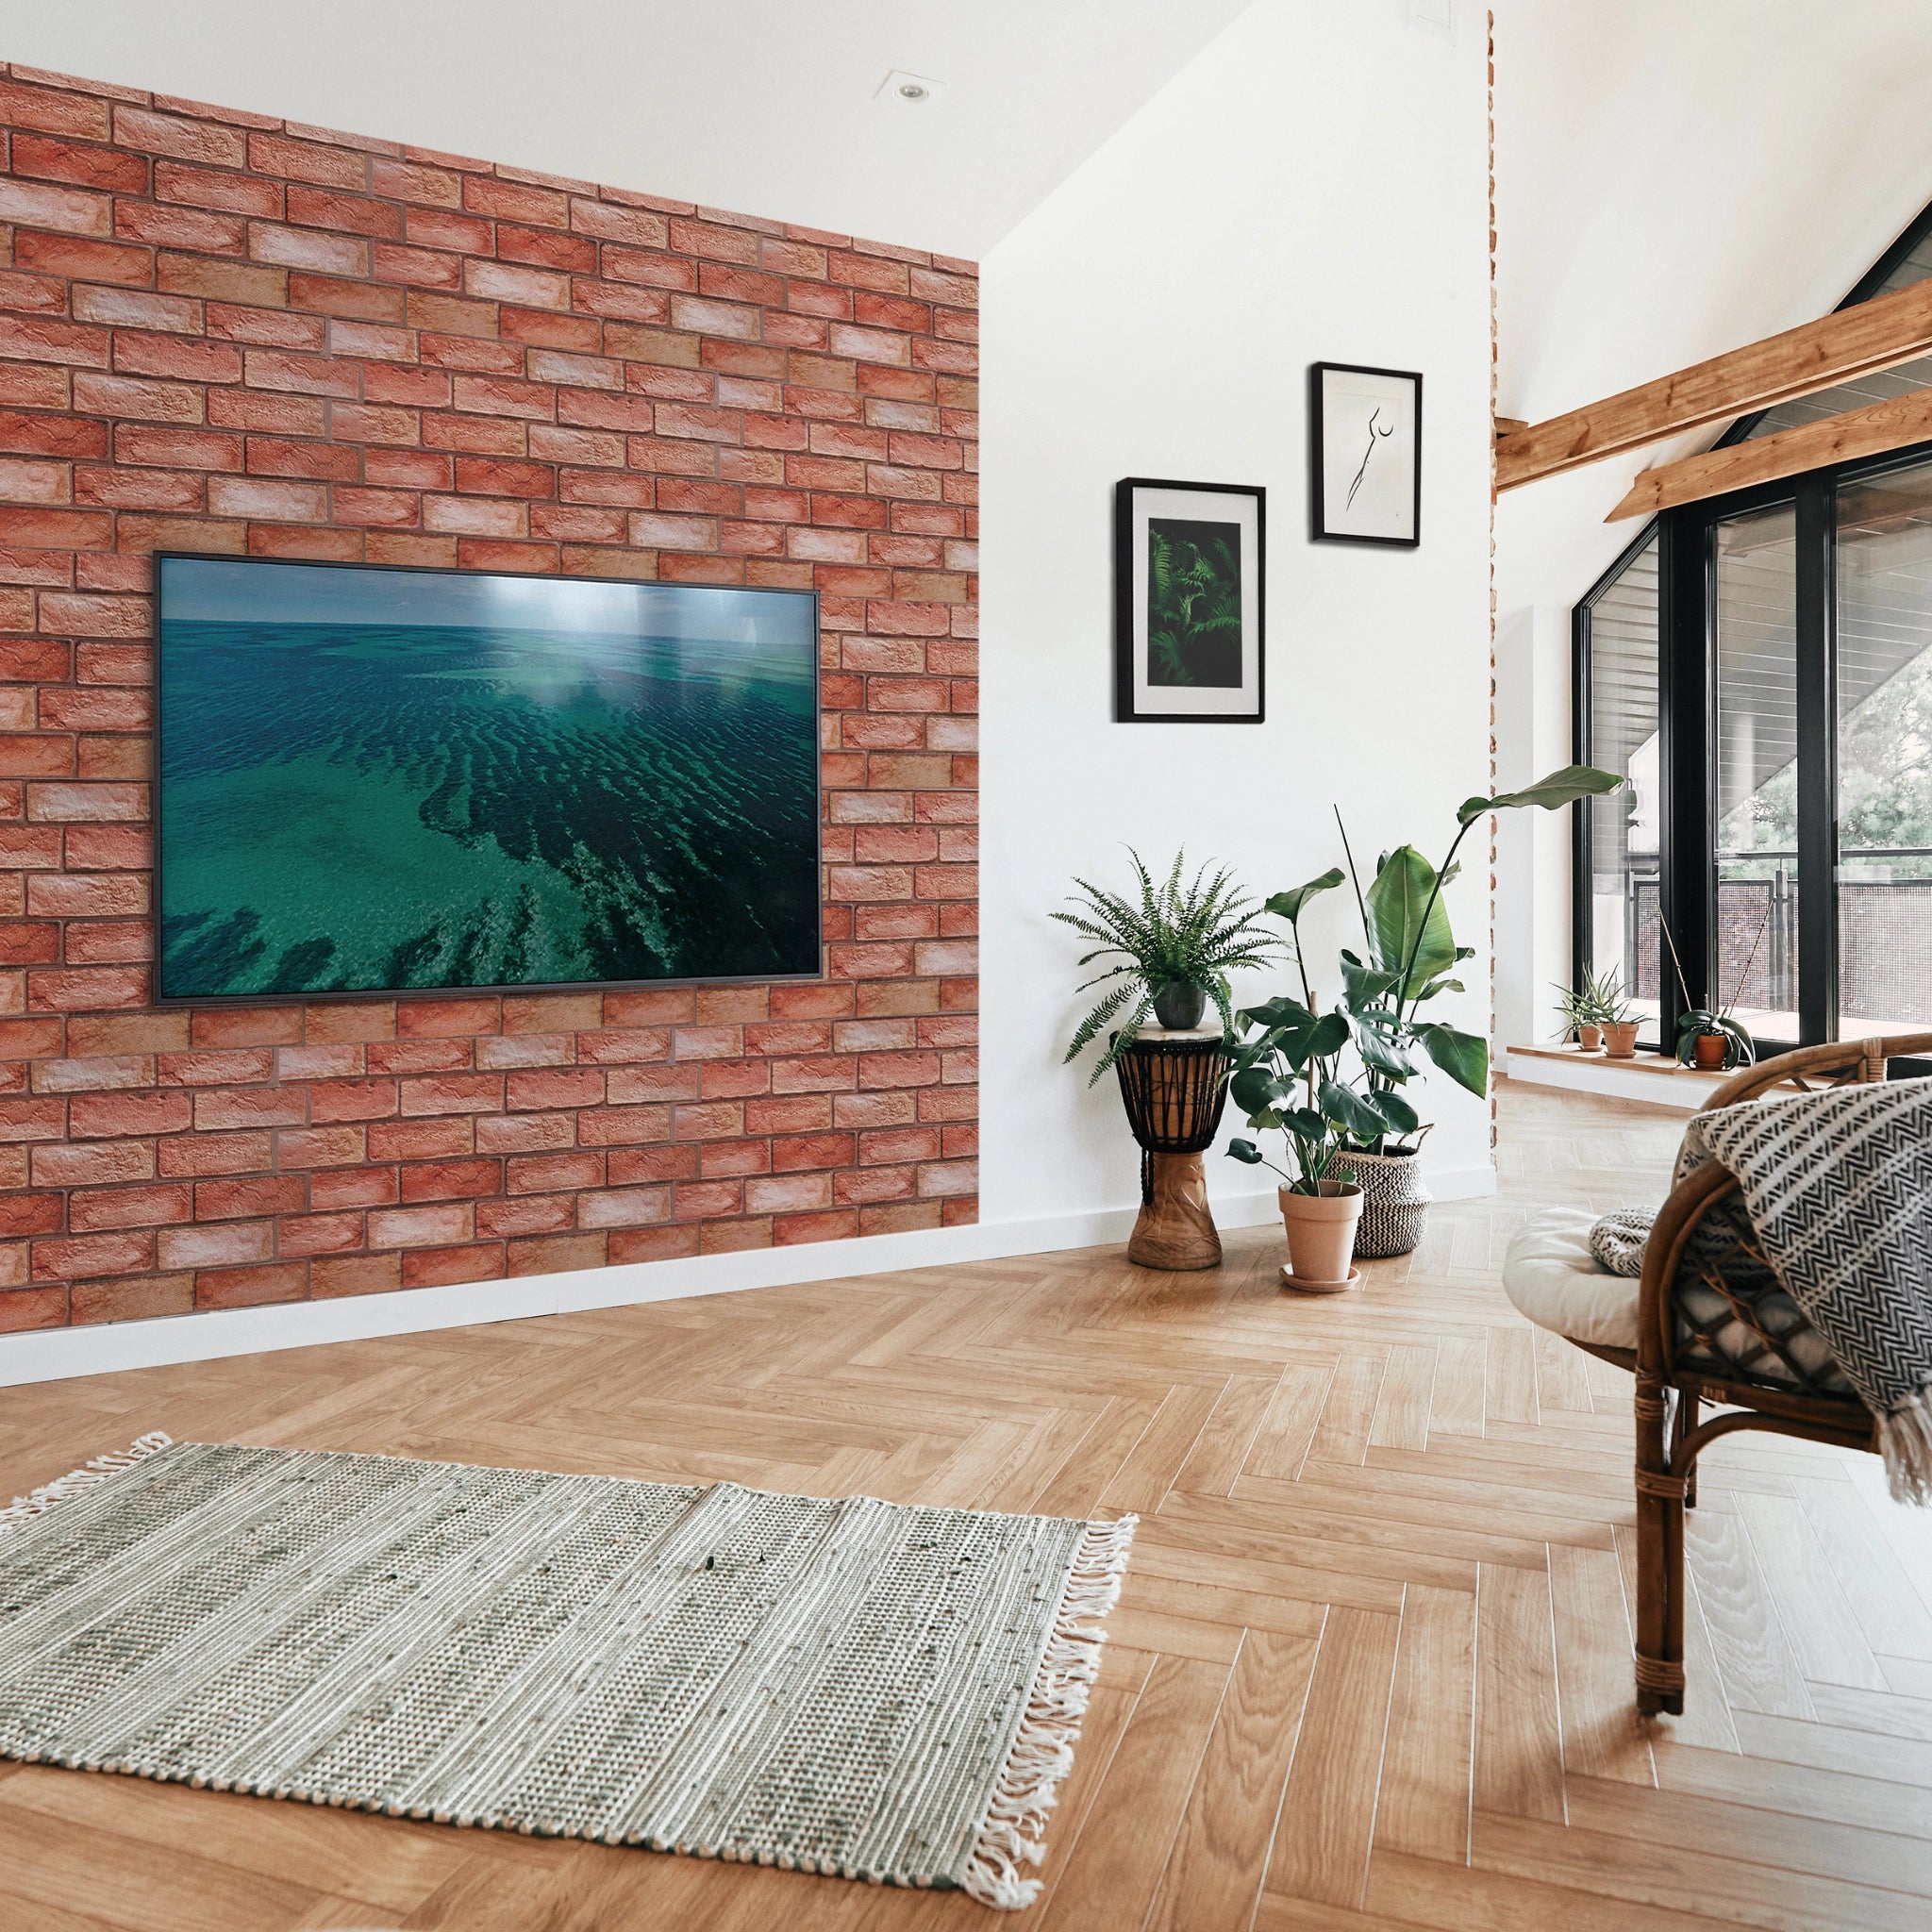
(1552, 1276)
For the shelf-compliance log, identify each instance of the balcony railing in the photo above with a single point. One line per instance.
(1884, 939)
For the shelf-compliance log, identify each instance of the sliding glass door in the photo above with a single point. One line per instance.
(1760, 667)
(1884, 720)
(1754, 874)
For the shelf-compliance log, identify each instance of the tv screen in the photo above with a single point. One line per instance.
(390, 780)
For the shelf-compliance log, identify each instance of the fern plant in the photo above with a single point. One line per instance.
(1194, 935)
(1193, 610)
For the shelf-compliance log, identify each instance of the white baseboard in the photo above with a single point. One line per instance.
(49, 1355)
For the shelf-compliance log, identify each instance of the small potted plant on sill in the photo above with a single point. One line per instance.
(1619, 1028)
(1714, 1042)
(1585, 1008)
(1171, 953)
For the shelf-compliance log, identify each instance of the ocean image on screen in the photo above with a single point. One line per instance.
(379, 780)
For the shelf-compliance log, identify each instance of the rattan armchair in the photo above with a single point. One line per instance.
(1714, 1327)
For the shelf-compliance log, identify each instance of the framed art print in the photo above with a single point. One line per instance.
(1188, 561)
(1366, 434)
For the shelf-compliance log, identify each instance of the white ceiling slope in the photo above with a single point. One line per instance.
(765, 106)
(1676, 178)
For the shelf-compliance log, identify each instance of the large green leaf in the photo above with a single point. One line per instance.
(1289, 906)
(1363, 986)
(1279, 1011)
(1385, 1050)
(1463, 1057)
(1559, 789)
(1395, 904)
(1350, 1111)
(1254, 1089)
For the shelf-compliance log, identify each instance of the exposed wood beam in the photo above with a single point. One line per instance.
(1511, 426)
(1849, 342)
(1896, 423)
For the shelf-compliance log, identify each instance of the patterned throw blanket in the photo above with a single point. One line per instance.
(1837, 1186)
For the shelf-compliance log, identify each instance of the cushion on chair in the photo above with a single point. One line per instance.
(1553, 1277)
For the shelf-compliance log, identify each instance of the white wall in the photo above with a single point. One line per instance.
(1313, 187)
(1532, 848)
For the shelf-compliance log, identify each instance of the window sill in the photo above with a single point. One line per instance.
(1650, 1076)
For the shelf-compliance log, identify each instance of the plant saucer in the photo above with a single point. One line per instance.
(1301, 1287)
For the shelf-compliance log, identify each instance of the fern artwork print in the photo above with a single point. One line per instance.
(387, 779)
(1187, 596)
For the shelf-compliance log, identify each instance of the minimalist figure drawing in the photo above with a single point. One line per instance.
(1376, 436)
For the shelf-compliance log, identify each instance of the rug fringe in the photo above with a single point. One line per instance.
(79, 1481)
(1042, 1752)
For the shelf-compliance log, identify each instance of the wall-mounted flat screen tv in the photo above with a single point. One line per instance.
(393, 781)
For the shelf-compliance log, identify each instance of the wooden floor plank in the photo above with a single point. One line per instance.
(1425, 1769)
(1519, 1746)
(1328, 1816)
(1214, 1872)
(1115, 1867)
(1602, 1734)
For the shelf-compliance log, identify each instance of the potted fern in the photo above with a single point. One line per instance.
(1167, 953)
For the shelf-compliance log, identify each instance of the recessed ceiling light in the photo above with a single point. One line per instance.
(915, 89)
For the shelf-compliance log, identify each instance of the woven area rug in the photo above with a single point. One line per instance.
(849, 1687)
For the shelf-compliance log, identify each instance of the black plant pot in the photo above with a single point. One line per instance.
(1179, 1005)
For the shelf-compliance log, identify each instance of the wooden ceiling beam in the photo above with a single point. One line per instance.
(1839, 347)
(1896, 423)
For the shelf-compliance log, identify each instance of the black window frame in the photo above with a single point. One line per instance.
(1687, 723)
(1687, 716)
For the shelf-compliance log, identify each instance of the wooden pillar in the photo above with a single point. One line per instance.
(1175, 1229)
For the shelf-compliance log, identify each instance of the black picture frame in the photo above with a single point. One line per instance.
(1397, 521)
(163, 1000)
(1138, 698)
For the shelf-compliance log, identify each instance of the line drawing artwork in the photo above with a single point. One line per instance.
(1376, 436)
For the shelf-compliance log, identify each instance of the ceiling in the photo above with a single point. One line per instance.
(765, 106)
(1673, 181)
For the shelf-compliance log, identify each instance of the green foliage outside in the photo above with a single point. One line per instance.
(1885, 775)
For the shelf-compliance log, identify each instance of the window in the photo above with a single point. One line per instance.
(1884, 718)
(1620, 834)
(1759, 668)
(1755, 970)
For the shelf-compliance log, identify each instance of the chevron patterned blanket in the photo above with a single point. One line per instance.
(1839, 1187)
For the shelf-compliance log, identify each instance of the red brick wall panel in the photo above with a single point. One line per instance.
(221, 333)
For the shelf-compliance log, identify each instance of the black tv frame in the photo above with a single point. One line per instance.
(187, 1001)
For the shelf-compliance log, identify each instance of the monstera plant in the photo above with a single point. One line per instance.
(1295, 1071)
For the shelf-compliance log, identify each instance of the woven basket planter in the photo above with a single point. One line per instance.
(1396, 1204)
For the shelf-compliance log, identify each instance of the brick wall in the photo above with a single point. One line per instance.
(220, 332)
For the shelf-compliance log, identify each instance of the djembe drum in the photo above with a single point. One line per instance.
(1174, 1086)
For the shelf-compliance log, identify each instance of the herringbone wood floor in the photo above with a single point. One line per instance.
(1371, 1668)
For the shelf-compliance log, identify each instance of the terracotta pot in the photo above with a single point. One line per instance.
(1589, 1037)
(1620, 1040)
(1711, 1052)
(1321, 1230)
